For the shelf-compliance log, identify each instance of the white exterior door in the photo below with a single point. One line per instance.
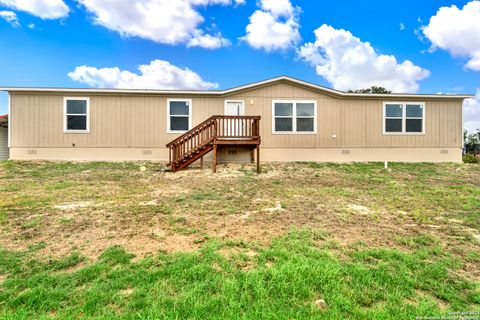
(234, 108)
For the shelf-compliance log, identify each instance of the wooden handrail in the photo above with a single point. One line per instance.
(189, 131)
(205, 134)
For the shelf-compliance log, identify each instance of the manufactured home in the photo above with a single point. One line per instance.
(281, 119)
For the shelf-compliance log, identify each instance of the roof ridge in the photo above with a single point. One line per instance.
(310, 85)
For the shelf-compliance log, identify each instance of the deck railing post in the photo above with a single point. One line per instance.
(258, 158)
(214, 167)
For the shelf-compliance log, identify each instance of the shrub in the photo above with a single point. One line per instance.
(470, 158)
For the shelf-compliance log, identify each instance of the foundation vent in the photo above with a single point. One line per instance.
(444, 151)
(232, 151)
(31, 151)
(147, 152)
(346, 151)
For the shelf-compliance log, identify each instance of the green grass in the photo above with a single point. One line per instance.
(282, 282)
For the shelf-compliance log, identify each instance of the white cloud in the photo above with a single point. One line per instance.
(457, 31)
(240, 2)
(159, 74)
(274, 27)
(278, 7)
(402, 26)
(348, 63)
(45, 9)
(162, 21)
(10, 17)
(471, 113)
(208, 41)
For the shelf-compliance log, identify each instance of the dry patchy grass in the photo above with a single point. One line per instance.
(60, 207)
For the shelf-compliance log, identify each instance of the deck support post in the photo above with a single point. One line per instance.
(214, 167)
(201, 163)
(258, 158)
(252, 155)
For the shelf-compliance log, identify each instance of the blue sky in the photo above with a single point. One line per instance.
(403, 45)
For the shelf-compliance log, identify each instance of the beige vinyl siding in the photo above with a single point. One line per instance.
(357, 123)
(140, 120)
(4, 154)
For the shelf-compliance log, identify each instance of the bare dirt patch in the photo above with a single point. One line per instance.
(278, 207)
(362, 210)
(180, 243)
(72, 206)
(96, 235)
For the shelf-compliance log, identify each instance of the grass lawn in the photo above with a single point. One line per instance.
(299, 241)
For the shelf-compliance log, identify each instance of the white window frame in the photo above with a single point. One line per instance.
(294, 117)
(189, 115)
(404, 119)
(65, 114)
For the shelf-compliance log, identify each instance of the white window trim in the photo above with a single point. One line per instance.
(404, 118)
(235, 101)
(189, 115)
(294, 117)
(65, 122)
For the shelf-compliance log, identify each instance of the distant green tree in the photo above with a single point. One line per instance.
(372, 89)
(472, 138)
(472, 142)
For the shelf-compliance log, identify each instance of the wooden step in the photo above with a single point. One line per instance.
(187, 160)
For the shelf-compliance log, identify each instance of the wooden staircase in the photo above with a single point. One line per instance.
(209, 135)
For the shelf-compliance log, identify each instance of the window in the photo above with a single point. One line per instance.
(393, 118)
(179, 113)
(294, 117)
(404, 118)
(76, 115)
(414, 118)
(283, 116)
